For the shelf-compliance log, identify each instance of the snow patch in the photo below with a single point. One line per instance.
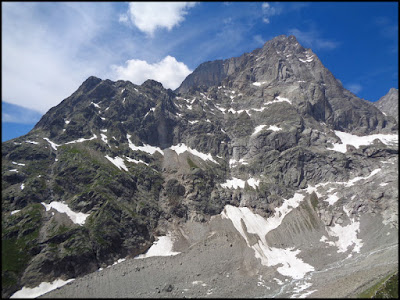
(234, 183)
(22, 186)
(253, 182)
(161, 247)
(347, 236)
(220, 108)
(41, 289)
(357, 141)
(103, 138)
(282, 99)
(145, 148)
(151, 109)
(15, 211)
(95, 104)
(32, 142)
(332, 199)
(53, 145)
(136, 161)
(19, 164)
(181, 148)
(274, 128)
(77, 218)
(258, 129)
(259, 83)
(80, 140)
(261, 127)
(245, 221)
(118, 161)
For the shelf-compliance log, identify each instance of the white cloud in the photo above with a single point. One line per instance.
(258, 39)
(168, 71)
(48, 50)
(269, 11)
(148, 16)
(312, 39)
(355, 88)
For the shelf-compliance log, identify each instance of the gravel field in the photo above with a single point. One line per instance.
(216, 262)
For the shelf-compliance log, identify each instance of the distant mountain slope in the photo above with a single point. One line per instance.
(389, 104)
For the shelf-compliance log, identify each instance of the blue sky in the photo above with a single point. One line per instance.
(50, 48)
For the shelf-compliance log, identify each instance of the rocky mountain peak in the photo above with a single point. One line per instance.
(280, 60)
(282, 43)
(150, 83)
(90, 83)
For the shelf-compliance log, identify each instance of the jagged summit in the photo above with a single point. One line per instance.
(260, 63)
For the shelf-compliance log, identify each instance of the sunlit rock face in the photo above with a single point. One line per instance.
(265, 157)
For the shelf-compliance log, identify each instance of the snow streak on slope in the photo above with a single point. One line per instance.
(181, 148)
(118, 161)
(53, 145)
(136, 161)
(162, 247)
(357, 141)
(77, 218)
(246, 222)
(145, 148)
(82, 140)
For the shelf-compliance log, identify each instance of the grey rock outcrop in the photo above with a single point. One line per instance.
(389, 104)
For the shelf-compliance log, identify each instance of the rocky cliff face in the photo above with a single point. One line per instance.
(117, 164)
(389, 104)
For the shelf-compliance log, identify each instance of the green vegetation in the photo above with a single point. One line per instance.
(15, 251)
(191, 164)
(386, 288)
(390, 289)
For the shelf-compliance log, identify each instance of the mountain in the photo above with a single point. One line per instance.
(262, 171)
(389, 104)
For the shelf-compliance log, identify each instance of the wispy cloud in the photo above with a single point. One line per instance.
(312, 39)
(16, 114)
(270, 10)
(258, 39)
(168, 71)
(355, 88)
(149, 16)
(49, 48)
